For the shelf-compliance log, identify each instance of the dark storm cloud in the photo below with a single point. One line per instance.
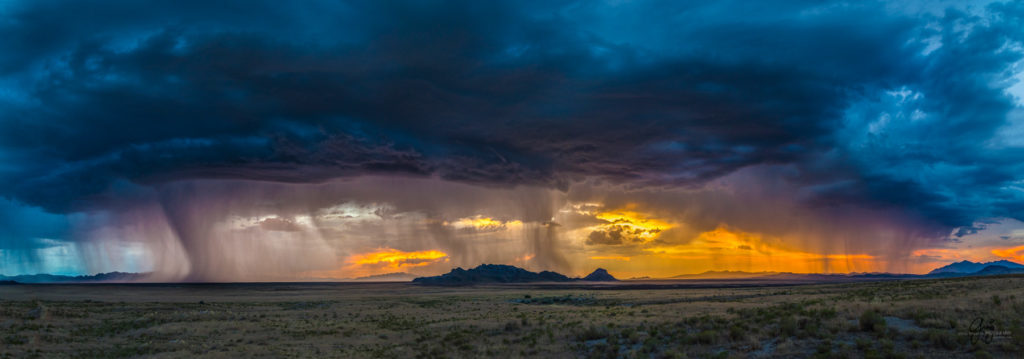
(855, 100)
(28, 227)
(610, 237)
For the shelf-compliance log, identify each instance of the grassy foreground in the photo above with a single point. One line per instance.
(966, 317)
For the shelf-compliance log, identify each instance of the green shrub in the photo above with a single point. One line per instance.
(737, 332)
(707, 337)
(15, 340)
(871, 320)
(788, 326)
(863, 344)
(511, 327)
(825, 347)
(942, 339)
(591, 333)
(887, 345)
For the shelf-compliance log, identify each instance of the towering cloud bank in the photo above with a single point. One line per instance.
(231, 141)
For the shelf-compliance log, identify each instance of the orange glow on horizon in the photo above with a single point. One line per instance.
(973, 254)
(382, 261)
(733, 249)
(638, 243)
(726, 248)
(1012, 253)
(644, 245)
(611, 258)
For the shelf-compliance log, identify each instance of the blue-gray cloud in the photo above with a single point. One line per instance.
(865, 103)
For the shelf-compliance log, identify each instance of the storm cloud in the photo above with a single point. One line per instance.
(896, 115)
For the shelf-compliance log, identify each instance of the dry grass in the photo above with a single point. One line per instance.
(921, 318)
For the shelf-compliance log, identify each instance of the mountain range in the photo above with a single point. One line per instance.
(54, 278)
(500, 273)
(973, 267)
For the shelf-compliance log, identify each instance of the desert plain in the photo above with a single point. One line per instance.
(973, 317)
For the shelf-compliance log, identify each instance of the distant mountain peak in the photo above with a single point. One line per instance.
(599, 275)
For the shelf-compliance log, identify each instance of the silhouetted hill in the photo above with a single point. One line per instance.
(599, 275)
(52, 278)
(967, 267)
(8, 282)
(492, 273)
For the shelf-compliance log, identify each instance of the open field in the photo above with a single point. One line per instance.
(964, 317)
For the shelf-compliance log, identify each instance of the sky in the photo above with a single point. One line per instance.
(267, 140)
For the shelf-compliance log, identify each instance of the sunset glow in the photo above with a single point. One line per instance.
(633, 225)
(725, 249)
(389, 260)
(1013, 253)
(509, 178)
(272, 141)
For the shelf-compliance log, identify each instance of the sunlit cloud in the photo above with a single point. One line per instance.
(1012, 253)
(625, 227)
(484, 224)
(396, 259)
(938, 254)
(524, 259)
(279, 224)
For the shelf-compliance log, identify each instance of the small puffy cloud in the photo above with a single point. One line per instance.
(616, 234)
(482, 224)
(279, 225)
(624, 227)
